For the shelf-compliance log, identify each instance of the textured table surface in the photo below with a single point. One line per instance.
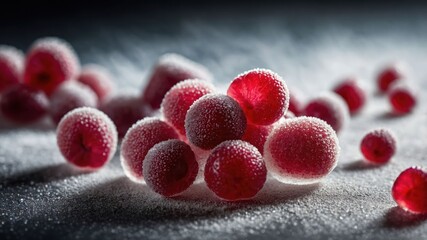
(41, 196)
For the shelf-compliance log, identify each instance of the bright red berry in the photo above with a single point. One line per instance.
(235, 171)
(11, 66)
(301, 150)
(257, 135)
(389, 75)
(50, 62)
(86, 138)
(262, 94)
(98, 79)
(169, 70)
(402, 98)
(378, 146)
(212, 119)
(410, 190)
(353, 95)
(140, 138)
(170, 167)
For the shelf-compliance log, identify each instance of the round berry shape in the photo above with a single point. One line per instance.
(378, 146)
(11, 66)
(139, 139)
(22, 104)
(68, 96)
(330, 108)
(86, 138)
(262, 94)
(169, 70)
(301, 150)
(235, 171)
(179, 99)
(212, 119)
(295, 104)
(402, 98)
(257, 135)
(410, 190)
(170, 167)
(50, 62)
(98, 79)
(353, 95)
(124, 109)
(389, 75)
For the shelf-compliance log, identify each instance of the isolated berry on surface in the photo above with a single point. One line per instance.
(410, 190)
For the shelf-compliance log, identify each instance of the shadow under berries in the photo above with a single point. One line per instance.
(398, 218)
(360, 165)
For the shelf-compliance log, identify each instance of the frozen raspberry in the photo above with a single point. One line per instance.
(11, 66)
(86, 138)
(388, 76)
(169, 70)
(68, 96)
(329, 107)
(140, 138)
(295, 104)
(50, 62)
(257, 135)
(170, 167)
(22, 104)
(124, 109)
(301, 150)
(352, 93)
(179, 99)
(402, 98)
(212, 119)
(235, 171)
(262, 94)
(98, 79)
(410, 190)
(378, 146)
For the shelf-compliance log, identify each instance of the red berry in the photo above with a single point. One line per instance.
(352, 93)
(179, 99)
(257, 135)
(262, 94)
(330, 108)
(11, 66)
(235, 171)
(410, 190)
(98, 79)
(68, 96)
(124, 109)
(22, 104)
(170, 167)
(378, 146)
(169, 70)
(388, 76)
(86, 138)
(212, 119)
(140, 138)
(402, 98)
(295, 104)
(301, 150)
(50, 62)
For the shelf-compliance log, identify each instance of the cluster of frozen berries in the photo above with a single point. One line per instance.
(230, 140)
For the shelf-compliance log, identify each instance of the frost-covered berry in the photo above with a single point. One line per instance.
(410, 190)
(169, 70)
(353, 95)
(86, 138)
(262, 94)
(179, 99)
(301, 150)
(212, 119)
(330, 108)
(235, 171)
(257, 135)
(124, 109)
(11, 66)
(140, 138)
(98, 78)
(389, 75)
(378, 146)
(295, 103)
(402, 98)
(170, 167)
(22, 104)
(68, 96)
(50, 62)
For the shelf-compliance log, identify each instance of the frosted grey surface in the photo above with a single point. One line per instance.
(41, 196)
